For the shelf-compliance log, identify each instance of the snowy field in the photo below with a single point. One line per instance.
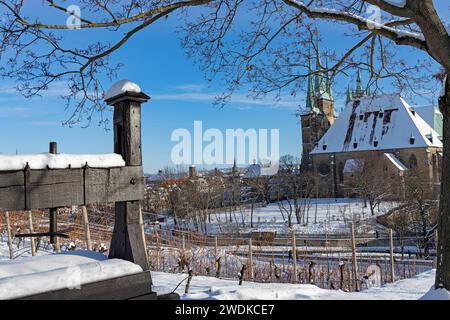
(320, 216)
(209, 288)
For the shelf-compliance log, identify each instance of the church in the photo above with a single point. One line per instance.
(384, 125)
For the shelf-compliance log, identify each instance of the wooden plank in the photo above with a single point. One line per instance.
(55, 188)
(12, 198)
(117, 184)
(11, 179)
(120, 288)
(67, 187)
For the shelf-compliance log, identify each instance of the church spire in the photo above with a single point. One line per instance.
(359, 88)
(349, 95)
(310, 89)
(318, 85)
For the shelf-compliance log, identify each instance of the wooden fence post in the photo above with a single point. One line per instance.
(31, 228)
(391, 255)
(250, 259)
(53, 212)
(354, 261)
(294, 256)
(128, 241)
(87, 230)
(215, 248)
(8, 232)
(158, 262)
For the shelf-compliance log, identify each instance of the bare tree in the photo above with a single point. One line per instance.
(372, 180)
(37, 55)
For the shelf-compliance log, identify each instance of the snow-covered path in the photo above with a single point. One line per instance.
(209, 288)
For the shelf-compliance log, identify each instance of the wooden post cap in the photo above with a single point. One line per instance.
(125, 90)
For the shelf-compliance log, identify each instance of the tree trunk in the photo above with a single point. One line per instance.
(443, 248)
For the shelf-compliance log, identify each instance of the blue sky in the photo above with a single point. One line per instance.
(155, 60)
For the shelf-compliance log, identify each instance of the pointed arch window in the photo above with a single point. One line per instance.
(412, 161)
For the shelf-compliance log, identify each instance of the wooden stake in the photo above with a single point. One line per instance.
(8, 232)
(157, 252)
(354, 261)
(31, 229)
(215, 248)
(391, 254)
(87, 230)
(188, 283)
(294, 256)
(436, 244)
(250, 260)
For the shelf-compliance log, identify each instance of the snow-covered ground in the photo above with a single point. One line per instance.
(320, 216)
(209, 288)
(203, 287)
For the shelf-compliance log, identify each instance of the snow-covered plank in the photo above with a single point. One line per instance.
(65, 272)
(60, 161)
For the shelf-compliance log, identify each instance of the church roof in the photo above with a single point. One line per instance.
(377, 123)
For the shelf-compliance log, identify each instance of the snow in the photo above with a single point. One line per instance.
(33, 275)
(122, 87)
(393, 133)
(352, 165)
(400, 166)
(25, 276)
(436, 294)
(320, 216)
(209, 288)
(60, 161)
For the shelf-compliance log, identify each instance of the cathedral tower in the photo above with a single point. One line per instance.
(319, 113)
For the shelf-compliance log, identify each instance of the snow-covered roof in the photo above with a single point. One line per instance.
(60, 161)
(34, 275)
(377, 123)
(120, 87)
(396, 162)
(253, 171)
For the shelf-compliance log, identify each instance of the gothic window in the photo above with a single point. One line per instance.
(324, 169)
(412, 162)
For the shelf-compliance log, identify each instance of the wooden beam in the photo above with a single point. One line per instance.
(121, 288)
(42, 234)
(55, 188)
